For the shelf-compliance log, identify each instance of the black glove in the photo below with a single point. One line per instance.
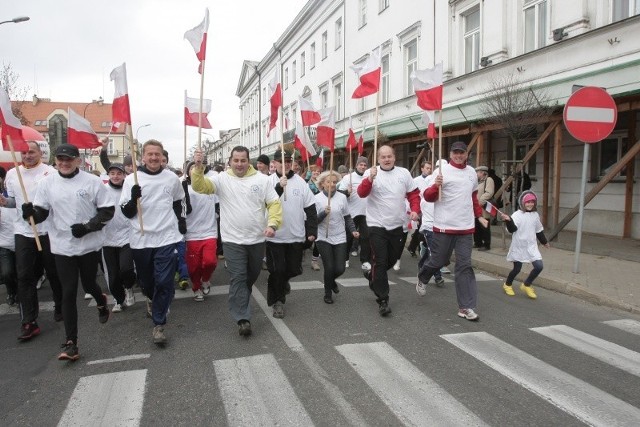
(182, 226)
(136, 192)
(28, 210)
(79, 230)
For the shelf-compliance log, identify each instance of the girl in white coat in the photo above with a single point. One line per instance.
(526, 229)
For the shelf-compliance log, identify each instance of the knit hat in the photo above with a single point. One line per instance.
(528, 198)
(482, 169)
(342, 169)
(263, 158)
(362, 159)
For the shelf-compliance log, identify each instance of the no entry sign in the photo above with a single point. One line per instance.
(590, 114)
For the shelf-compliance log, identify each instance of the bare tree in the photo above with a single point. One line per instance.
(207, 148)
(9, 81)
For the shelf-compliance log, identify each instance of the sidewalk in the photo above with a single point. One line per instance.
(609, 268)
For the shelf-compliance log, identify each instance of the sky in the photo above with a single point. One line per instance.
(68, 48)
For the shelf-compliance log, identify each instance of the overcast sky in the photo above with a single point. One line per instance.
(68, 48)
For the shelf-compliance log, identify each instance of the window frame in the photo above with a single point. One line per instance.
(540, 25)
(475, 36)
(294, 72)
(362, 14)
(385, 78)
(325, 45)
(633, 8)
(622, 140)
(286, 78)
(383, 5)
(312, 56)
(338, 33)
(409, 65)
(303, 63)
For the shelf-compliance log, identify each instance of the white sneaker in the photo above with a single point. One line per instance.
(366, 266)
(129, 298)
(396, 266)
(117, 308)
(445, 270)
(468, 313)
(206, 288)
(315, 265)
(41, 281)
(346, 264)
(421, 288)
(87, 296)
(354, 253)
(198, 296)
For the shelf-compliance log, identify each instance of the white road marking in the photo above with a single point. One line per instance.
(120, 359)
(113, 399)
(627, 325)
(15, 309)
(574, 396)
(356, 282)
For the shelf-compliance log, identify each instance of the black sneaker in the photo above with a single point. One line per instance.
(69, 351)
(57, 316)
(336, 289)
(11, 299)
(103, 311)
(28, 331)
(384, 308)
(328, 298)
(244, 328)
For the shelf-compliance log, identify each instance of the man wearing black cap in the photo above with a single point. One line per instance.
(262, 164)
(299, 224)
(453, 227)
(357, 210)
(79, 206)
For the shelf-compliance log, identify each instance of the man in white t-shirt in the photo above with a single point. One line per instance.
(29, 260)
(250, 211)
(385, 188)
(163, 224)
(357, 210)
(299, 224)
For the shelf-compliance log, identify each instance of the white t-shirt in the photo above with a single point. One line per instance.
(339, 209)
(357, 205)
(386, 201)
(7, 228)
(524, 243)
(201, 222)
(243, 206)
(159, 221)
(455, 210)
(31, 178)
(425, 207)
(299, 196)
(117, 231)
(72, 201)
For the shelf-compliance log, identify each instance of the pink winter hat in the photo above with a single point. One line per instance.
(529, 197)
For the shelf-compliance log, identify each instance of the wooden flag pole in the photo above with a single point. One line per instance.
(184, 148)
(201, 102)
(375, 131)
(350, 171)
(329, 193)
(134, 163)
(24, 192)
(440, 152)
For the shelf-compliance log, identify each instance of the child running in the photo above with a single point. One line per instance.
(525, 227)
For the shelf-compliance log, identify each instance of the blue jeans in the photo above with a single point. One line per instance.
(428, 237)
(156, 268)
(244, 264)
(183, 271)
(332, 263)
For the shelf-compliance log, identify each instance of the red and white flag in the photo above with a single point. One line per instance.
(429, 118)
(320, 160)
(326, 129)
(302, 142)
(120, 110)
(369, 74)
(197, 36)
(361, 141)
(428, 86)
(192, 113)
(11, 126)
(352, 142)
(115, 126)
(309, 114)
(493, 211)
(275, 93)
(80, 133)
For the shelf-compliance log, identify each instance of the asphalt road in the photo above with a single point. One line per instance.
(553, 361)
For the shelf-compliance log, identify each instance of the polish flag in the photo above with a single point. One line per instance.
(302, 142)
(493, 211)
(309, 114)
(80, 133)
(326, 130)
(115, 126)
(120, 110)
(192, 116)
(428, 86)
(369, 74)
(275, 90)
(361, 142)
(197, 36)
(429, 119)
(352, 143)
(320, 160)
(11, 126)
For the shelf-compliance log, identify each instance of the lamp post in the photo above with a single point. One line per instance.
(16, 20)
(140, 127)
(98, 101)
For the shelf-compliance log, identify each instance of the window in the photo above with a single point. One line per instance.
(303, 64)
(312, 56)
(385, 79)
(521, 150)
(324, 45)
(338, 33)
(111, 148)
(410, 64)
(535, 24)
(362, 16)
(472, 41)
(337, 92)
(623, 9)
(383, 4)
(324, 96)
(293, 72)
(264, 95)
(294, 112)
(286, 78)
(609, 152)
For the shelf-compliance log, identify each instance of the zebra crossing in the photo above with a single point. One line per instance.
(406, 391)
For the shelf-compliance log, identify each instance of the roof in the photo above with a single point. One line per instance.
(41, 110)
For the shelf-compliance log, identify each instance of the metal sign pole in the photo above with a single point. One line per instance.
(583, 184)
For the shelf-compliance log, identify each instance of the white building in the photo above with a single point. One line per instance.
(547, 45)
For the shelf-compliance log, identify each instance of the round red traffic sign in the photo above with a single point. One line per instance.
(590, 114)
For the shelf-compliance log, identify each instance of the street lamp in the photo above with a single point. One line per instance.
(98, 101)
(16, 20)
(140, 127)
